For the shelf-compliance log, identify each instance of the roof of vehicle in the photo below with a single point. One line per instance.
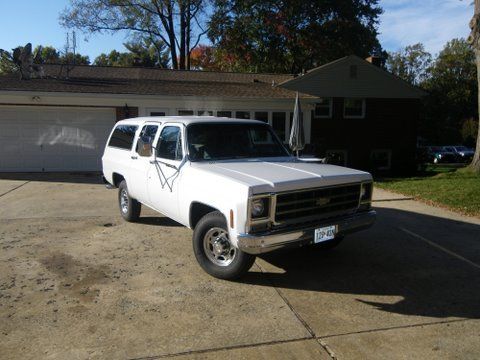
(186, 120)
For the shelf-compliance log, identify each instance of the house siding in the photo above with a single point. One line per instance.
(389, 124)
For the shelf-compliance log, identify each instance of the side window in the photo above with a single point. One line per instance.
(123, 136)
(145, 140)
(170, 143)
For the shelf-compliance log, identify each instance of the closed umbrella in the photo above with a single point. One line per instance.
(297, 137)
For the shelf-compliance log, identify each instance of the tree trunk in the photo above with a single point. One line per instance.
(171, 35)
(476, 158)
(183, 27)
(187, 35)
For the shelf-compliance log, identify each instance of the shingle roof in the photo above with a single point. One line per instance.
(148, 81)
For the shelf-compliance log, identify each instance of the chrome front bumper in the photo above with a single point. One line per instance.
(272, 240)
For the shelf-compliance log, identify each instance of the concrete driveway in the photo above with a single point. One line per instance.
(77, 282)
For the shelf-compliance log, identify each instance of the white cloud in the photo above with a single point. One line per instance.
(431, 22)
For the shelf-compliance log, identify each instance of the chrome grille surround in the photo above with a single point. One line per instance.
(318, 203)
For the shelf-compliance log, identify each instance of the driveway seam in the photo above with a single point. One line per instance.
(15, 188)
(232, 347)
(397, 328)
(322, 343)
(439, 247)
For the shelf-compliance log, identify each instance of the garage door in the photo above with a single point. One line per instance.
(53, 139)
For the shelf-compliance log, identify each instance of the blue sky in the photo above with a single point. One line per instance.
(404, 22)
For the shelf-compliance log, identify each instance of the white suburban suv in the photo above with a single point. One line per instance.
(236, 185)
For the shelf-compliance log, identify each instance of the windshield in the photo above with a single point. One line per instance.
(223, 141)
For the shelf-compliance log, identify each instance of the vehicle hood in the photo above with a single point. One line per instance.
(263, 176)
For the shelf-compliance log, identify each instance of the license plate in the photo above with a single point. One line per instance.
(325, 233)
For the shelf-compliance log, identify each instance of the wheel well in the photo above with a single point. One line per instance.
(117, 179)
(197, 211)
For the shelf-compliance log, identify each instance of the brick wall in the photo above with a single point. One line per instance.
(389, 124)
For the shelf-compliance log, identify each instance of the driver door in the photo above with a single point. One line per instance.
(142, 155)
(165, 170)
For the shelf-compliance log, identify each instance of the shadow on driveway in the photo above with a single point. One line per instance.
(158, 221)
(62, 177)
(385, 260)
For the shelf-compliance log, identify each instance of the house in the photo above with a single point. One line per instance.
(364, 117)
(352, 110)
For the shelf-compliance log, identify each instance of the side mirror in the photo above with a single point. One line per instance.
(154, 152)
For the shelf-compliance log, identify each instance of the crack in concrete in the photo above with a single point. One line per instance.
(232, 347)
(322, 343)
(396, 328)
(15, 188)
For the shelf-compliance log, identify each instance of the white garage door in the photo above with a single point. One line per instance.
(53, 139)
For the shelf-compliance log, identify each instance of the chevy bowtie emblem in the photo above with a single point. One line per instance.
(322, 201)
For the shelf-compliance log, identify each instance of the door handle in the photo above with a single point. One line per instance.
(133, 157)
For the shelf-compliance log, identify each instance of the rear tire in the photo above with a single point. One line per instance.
(129, 207)
(214, 252)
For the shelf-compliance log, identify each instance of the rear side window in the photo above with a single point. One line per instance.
(123, 136)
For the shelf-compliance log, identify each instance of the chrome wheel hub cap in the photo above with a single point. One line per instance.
(218, 248)
(124, 201)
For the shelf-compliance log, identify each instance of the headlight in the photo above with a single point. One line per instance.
(366, 192)
(259, 208)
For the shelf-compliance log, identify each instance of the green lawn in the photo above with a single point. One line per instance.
(457, 189)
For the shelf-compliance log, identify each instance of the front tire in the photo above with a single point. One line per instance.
(214, 251)
(129, 207)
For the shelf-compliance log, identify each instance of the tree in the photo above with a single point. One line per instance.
(7, 65)
(474, 40)
(205, 57)
(469, 131)
(175, 23)
(452, 88)
(290, 36)
(411, 63)
(50, 55)
(140, 53)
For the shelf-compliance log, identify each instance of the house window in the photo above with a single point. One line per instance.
(227, 114)
(205, 113)
(278, 123)
(185, 112)
(323, 108)
(242, 114)
(157, 113)
(381, 159)
(262, 116)
(353, 108)
(336, 157)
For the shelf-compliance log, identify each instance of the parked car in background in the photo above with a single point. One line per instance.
(462, 153)
(437, 155)
(234, 183)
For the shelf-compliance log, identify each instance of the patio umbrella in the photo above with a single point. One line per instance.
(297, 137)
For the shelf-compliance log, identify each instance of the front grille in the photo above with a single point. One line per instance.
(316, 203)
